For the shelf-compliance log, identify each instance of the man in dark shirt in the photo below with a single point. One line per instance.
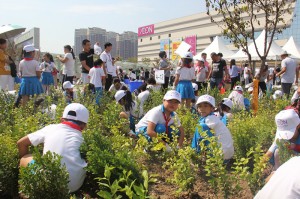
(217, 70)
(147, 74)
(87, 60)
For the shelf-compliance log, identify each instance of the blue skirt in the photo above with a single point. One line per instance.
(185, 88)
(30, 86)
(47, 78)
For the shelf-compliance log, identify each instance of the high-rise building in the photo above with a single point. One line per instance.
(124, 45)
(112, 38)
(29, 37)
(128, 45)
(80, 34)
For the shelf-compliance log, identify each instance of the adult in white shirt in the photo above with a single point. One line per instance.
(284, 183)
(63, 139)
(6, 80)
(288, 72)
(69, 64)
(108, 64)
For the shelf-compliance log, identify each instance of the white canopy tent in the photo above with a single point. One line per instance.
(274, 53)
(216, 46)
(292, 48)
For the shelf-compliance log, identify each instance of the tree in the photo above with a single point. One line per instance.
(146, 61)
(132, 59)
(240, 21)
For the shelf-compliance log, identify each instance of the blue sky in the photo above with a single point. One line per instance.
(57, 20)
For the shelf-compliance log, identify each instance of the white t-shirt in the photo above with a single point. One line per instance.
(290, 73)
(69, 66)
(29, 68)
(223, 135)
(237, 99)
(96, 75)
(201, 75)
(47, 67)
(284, 183)
(106, 57)
(136, 110)
(185, 73)
(143, 96)
(66, 142)
(155, 116)
(112, 87)
(114, 71)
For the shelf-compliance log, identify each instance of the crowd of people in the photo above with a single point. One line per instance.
(181, 89)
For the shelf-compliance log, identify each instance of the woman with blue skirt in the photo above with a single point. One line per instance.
(47, 78)
(30, 72)
(183, 79)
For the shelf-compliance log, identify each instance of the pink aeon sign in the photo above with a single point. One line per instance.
(146, 30)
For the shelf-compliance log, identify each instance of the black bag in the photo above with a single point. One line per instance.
(13, 67)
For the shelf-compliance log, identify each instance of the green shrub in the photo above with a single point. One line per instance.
(8, 166)
(46, 178)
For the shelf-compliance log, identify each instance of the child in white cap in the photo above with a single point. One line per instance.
(224, 110)
(209, 122)
(69, 93)
(63, 139)
(160, 119)
(97, 78)
(131, 109)
(288, 124)
(30, 72)
(277, 95)
(237, 98)
(183, 79)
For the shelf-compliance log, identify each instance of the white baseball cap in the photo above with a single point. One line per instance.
(287, 122)
(250, 89)
(227, 102)
(172, 94)
(277, 94)
(285, 53)
(206, 98)
(67, 85)
(238, 88)
(188, 55)
(29, 48)
(195, 86)
(76, 111)
(119, 95)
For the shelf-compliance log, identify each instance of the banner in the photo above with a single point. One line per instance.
(175, 45)
(165, 46)
(146, 30)
(192, 40)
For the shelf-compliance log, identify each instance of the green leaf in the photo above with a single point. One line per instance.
(139, 190)
(105, 194)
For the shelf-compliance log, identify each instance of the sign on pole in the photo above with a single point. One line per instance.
(160, 76)
(182, 48)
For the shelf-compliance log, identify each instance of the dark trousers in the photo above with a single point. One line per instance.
(286, 88)
(262, 86)
(202, 86)
(234, 80)
(108, 82)
(166, 84)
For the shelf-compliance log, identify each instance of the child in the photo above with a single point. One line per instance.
(130, 107)
(69, 93)
(237, 98)
(195, 88)
(63, 139)
(208, 121)
(151, 84)
(224, 110)
(183, 79)
(159, 119)
(277, 95)
(97, 78)
(47, 67)
(288, 124)
(117, 85)
(30, 72)
(201, 74)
